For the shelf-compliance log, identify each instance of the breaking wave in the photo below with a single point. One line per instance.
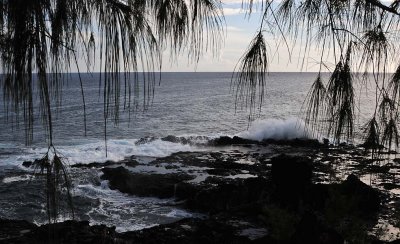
(275, 129)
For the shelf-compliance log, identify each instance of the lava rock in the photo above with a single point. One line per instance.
(176, 139)
(155, 185)
(229, 195)
(291, 177)
(15, 231)
(351, 198)
(367, 198)
(27, 164)
(217, 229)
(289, 171)
(127, 162)
(227, 141)
(297, 142)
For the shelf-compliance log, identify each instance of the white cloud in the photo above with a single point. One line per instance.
(233, 11)
(233, 28)
(239, 1)
(231, 1)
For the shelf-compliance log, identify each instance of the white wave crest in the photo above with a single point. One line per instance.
(95, 151)
(275, 129)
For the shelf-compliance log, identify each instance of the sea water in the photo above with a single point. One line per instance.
(195, 106)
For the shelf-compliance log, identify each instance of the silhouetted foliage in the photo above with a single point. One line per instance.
(360, 36)
(41, 41)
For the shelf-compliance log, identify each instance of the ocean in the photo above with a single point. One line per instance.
(195, 106)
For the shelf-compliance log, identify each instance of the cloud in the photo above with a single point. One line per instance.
(239, 1)
(233, 28)
(233, 11)
(231, 1)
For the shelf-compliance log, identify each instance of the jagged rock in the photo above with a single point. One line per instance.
(184, 190)
(176, 139)
(156, 185)
(297, 142)
(291, 177)
(365, 197)
(218, 229)
(226, 141)
(229, 195)
(219, 171)
(27, 164)
(14, 231)
(351, 198)
(127, 162)
(288, 170)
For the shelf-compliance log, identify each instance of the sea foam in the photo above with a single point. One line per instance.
(118, 149)
(96, 152)
(275, 129)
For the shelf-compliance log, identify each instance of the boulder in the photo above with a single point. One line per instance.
(366, 198)
(27, 164)
(154, 185)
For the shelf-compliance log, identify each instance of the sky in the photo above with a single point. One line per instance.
(240, 29)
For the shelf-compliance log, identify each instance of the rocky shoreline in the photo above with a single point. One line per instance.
(297, 191)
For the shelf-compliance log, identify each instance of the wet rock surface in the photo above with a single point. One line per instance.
(298, 142)
(264, 194)
(158, 185)
(217, 196)
(127, 162)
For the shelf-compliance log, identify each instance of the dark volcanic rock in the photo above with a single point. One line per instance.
(217, 229)
(27, 164)
(157, 185)
(14, 229)
(291, 176)
(65, 232)
(297, 142)
(229, 195)
(219, 171)
(175, 139)
(289, 171)
(351, 198)
(127, 162)
(365, 197)
(184, 190)
(227, 141)
(75, 232)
